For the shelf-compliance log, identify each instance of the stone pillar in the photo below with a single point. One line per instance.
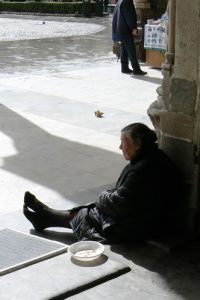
(167, 68)
(161, 105)
(176, 113)
(171, 32)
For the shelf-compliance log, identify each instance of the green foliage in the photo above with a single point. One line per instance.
(47, 7)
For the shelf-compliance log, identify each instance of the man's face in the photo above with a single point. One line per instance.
(128, 147)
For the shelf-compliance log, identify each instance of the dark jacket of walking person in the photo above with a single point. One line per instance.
(124, 28)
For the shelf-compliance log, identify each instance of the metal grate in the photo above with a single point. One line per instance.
(18, 250)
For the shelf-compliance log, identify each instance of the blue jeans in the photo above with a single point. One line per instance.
(128, 53)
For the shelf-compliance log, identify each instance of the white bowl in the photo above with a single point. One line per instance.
(86, 250)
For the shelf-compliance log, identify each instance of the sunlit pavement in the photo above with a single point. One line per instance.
(50, 89)
(53, 144)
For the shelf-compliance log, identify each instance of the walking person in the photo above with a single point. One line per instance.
(124, 29)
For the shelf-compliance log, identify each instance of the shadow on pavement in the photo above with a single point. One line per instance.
(151, 79)
(59, 164)
(57, 235)
(180, 269)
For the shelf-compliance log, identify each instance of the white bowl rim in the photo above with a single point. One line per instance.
(98, 245)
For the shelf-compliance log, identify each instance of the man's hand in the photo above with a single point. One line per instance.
(134, 32)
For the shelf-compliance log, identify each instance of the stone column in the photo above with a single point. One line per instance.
(176, 113)
(171, 31)
(161, 105)
(167, 67)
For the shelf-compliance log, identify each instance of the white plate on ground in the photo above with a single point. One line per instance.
(86, 250)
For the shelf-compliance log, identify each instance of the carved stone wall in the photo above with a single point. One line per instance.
(176, 112)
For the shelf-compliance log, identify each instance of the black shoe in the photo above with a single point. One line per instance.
(35, 218)
(125, 69)
(139, 72)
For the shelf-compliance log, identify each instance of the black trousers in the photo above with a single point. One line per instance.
(128, 53)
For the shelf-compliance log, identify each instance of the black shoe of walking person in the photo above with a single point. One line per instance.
(139, 72)
(125, 69)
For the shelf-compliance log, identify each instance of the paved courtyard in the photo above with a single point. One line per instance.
(50, 89)
(55, 72)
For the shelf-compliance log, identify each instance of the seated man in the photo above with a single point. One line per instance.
(136, 208)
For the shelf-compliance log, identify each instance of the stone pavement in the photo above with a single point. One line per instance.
(53, 144)
(50, 89)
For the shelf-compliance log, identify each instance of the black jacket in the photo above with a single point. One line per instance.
(124, 20)
(138, 206)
